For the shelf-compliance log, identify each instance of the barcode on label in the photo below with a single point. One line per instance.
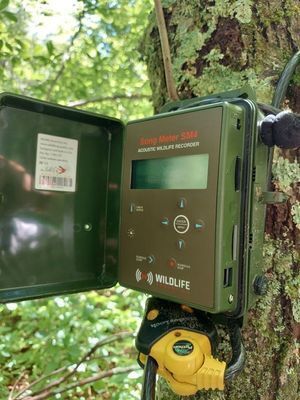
(55, 181)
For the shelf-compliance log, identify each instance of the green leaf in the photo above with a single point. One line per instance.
(9, 46)
(50, 47)
(10, 15)
(3, 4)
(20, 43)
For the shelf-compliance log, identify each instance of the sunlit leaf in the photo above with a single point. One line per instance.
(10, 15)
(50, 47)
(3, 4)
(9, 46)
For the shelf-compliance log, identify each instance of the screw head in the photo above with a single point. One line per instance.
(152, 314)
(87, 227)
(230, 298)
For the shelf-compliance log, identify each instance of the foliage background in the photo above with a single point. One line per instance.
(76, 51)
(84, 53)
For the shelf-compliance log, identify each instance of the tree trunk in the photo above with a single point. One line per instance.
(217, 46)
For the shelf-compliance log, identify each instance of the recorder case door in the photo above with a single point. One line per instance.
(60, 172)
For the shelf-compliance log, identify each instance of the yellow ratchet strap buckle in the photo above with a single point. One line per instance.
(184, 359)
(179, 343)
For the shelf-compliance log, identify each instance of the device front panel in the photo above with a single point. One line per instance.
(168, 210)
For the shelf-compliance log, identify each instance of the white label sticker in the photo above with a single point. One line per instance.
(56, 163)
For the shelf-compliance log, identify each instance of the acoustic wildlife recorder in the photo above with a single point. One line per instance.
(177, 222)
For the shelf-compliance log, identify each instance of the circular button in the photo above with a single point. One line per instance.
(172, 262)
(181, 224)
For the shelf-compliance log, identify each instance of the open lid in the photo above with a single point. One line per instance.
(60, 172)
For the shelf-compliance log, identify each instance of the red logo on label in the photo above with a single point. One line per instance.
(170, 138)
(60, 170)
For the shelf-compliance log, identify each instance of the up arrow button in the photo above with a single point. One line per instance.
(181, 202)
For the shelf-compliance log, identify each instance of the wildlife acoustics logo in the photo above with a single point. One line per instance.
(144, 276)
(183, 347)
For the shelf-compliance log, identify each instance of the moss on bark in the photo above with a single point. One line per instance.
(220, 45)
(217, 46)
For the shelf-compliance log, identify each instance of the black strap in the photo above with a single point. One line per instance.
(149, 383)
(237, 361)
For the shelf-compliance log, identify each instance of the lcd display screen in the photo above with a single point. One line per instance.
(181, 172)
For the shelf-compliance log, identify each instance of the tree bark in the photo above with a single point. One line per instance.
(217, 46)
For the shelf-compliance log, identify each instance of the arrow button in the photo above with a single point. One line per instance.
(181, 244)
(165, 221)
(199, 225)
(150, 259)
(181, 202)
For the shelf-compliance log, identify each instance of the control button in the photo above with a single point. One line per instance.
(165, 221)
(181, 202)
(172, 262)
(181, 224)
(131, 233)
(150, 259)
(199, 224)
(181, 244)
(132, 207)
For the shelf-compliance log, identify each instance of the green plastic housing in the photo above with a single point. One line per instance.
(62, 239)
(63, 233)
(204, 262)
